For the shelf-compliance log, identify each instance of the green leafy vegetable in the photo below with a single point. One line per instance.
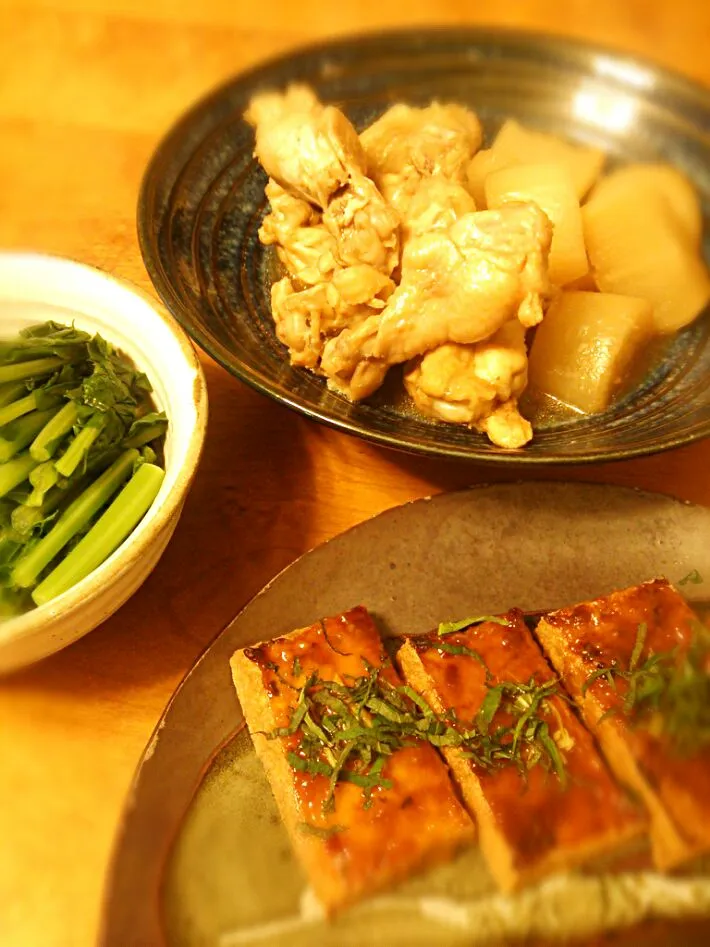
(43, 340)
(80, 445)
(119, 520)
(22, 370)
(668, 693)
(450, 648)
(449, 627)
(16, 435)
(15, 471)
(149, 428)
(74, 518)
(693, 577)
(15, 409)
(11, 391)
(60, 423)
(73, 412)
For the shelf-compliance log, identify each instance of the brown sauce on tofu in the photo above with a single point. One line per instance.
(419, 817)
(536, 812)
(603, 633)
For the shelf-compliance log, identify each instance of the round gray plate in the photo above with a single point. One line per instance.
(180, 867)
(202, 202)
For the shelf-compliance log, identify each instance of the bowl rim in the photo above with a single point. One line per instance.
(680, 84)
(37, 621)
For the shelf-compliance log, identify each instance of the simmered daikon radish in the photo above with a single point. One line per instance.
(549, 186)
(585, 345)
(515, 144)
(656, 182)
(637, 248)
(483, 163)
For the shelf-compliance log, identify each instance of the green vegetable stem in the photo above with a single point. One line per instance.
(16, 435)
(42, 478)
(11, 391)
(77, 515)
(22, 370)
(15, 471)
(119, 520)
(17, 408)
(45, 445)
(80, 458)
(80, 445)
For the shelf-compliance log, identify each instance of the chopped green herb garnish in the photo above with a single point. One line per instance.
(449, 627)
(461, 649)
(641, 633)
(489, 708)
(297, 670)
(320, 832)
(666, 693)
(347, 732)
(692, 578)
(526, 741)
(343, 654)
(606, 672)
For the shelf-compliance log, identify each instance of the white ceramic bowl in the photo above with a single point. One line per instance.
(34, 288)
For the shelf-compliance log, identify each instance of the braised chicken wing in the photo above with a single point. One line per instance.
(309, 148)
(478, 385)
(457, 285)
(408, 144)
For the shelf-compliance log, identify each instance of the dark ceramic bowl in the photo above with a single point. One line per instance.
(203, 199)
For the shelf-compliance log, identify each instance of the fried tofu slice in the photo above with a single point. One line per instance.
(544, 803)
(352, 838)
(650, 708)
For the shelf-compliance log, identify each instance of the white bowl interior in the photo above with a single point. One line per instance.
(35, 288)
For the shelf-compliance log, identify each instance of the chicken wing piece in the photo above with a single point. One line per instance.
(306, 318)
(458, 285)
(309, 148)
(295, 228)
(476, 384)
(364, 226)
(287, 215)
(314, 157)
(407, 144)
(436, 204)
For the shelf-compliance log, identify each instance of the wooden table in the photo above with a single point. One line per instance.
(86, 89)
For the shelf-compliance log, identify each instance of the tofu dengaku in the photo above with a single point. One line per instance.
(366, 801)
(529, 771)
(637, 663)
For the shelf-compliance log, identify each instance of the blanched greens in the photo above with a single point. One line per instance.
(80, 444)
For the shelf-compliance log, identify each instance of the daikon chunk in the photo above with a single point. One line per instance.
(482, 164)
(549, 186)
(515, 144)
(636, 247)
(585, 345)
(657, 182)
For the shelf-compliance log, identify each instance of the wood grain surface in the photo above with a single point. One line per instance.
(87, 87)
